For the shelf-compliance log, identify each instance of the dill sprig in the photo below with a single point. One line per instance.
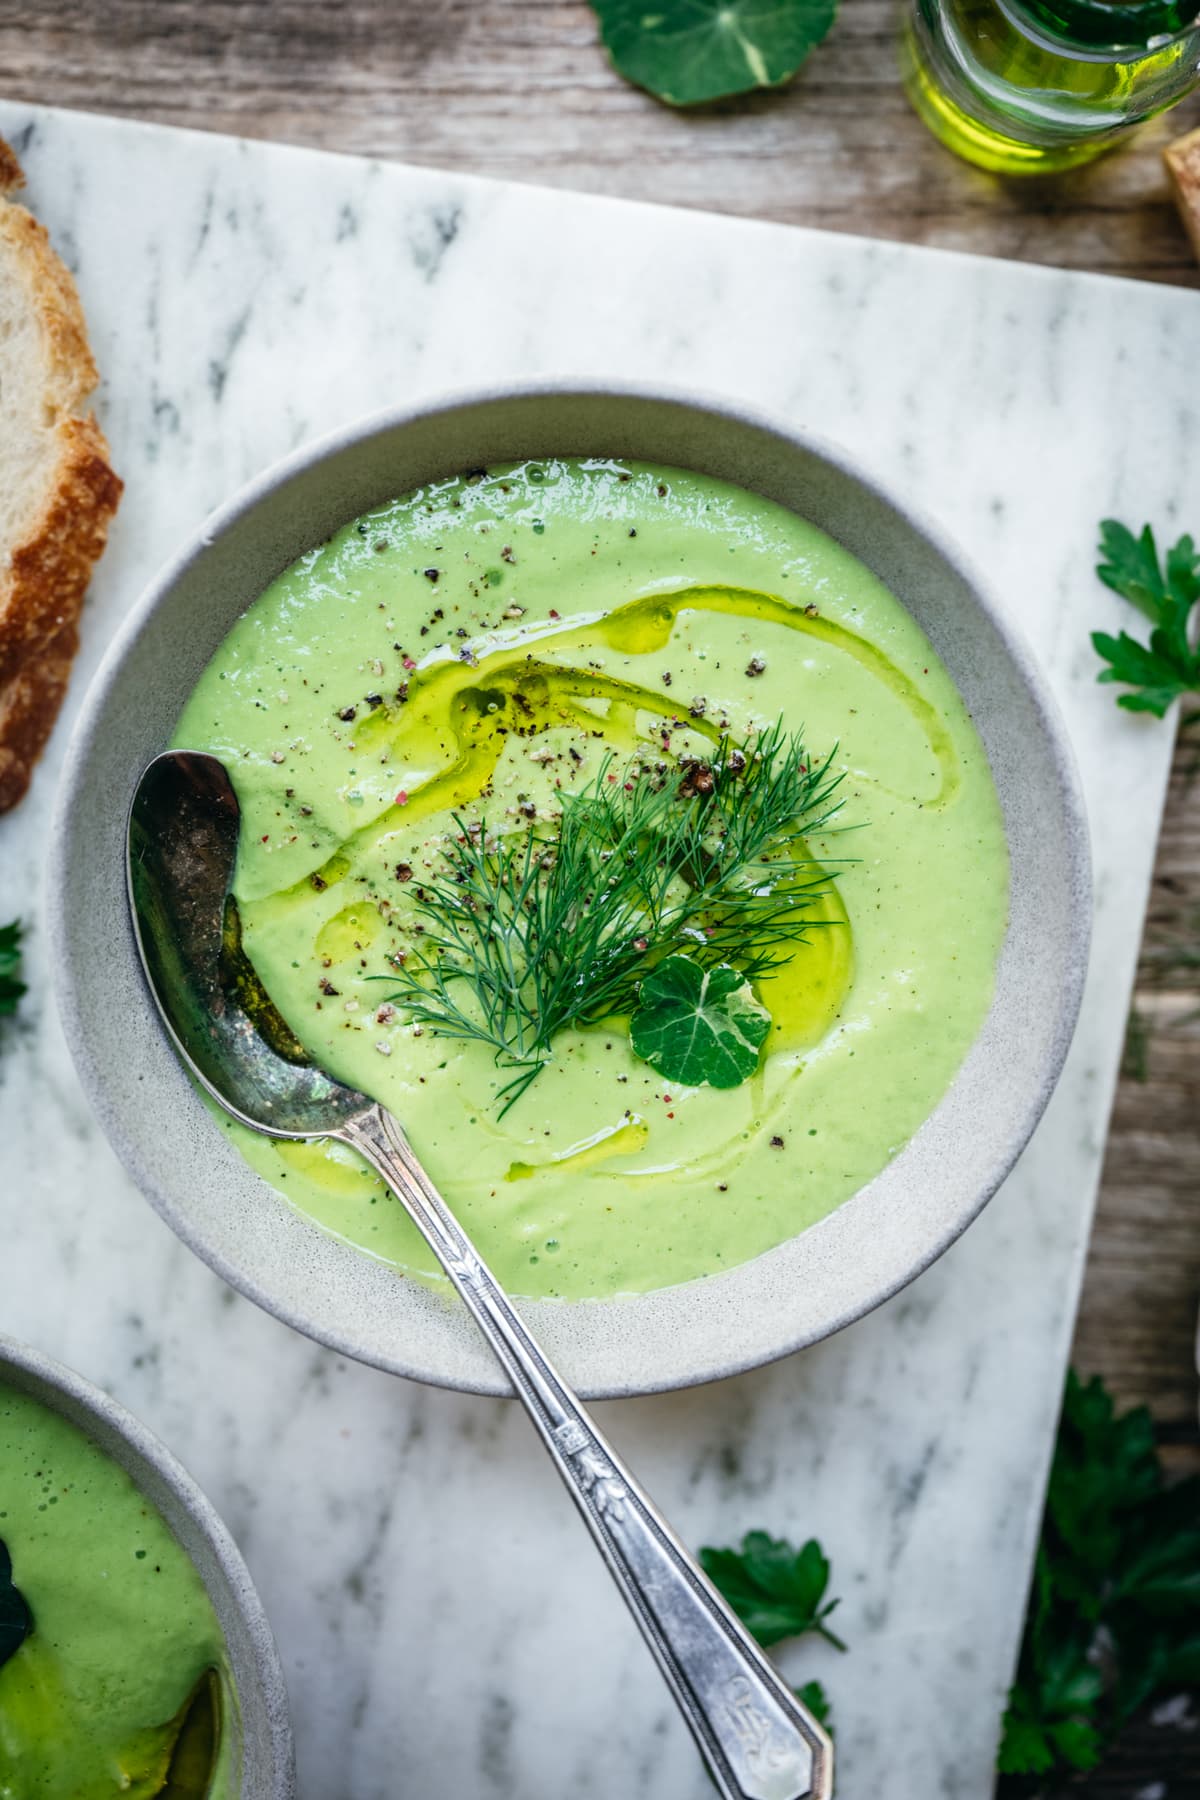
(527, 933)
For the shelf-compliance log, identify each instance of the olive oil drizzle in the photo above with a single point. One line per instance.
(647, 624)
(478, 704)
(470, 704)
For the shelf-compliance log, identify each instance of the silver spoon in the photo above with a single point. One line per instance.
(758, 1740)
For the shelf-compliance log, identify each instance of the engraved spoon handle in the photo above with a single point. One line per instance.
(759, 1741)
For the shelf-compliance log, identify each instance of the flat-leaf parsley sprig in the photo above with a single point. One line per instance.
(1168, 666)
(1114, 1617)
(778, 1592)
(524, 934)
(11, 985)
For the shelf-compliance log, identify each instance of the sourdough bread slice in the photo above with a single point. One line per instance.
(57, 488)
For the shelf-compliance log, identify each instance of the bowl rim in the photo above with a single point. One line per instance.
(50, 1382)
(325, 448)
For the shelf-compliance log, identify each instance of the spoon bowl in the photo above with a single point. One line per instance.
(183, 836)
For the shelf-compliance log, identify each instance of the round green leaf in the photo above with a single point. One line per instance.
(689, 51)
(698, 1025)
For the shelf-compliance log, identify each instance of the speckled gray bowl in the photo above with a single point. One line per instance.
(265, 1736)
(808, 1287)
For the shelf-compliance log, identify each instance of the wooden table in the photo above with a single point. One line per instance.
(520, 89)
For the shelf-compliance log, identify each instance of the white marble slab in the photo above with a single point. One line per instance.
(445, 1628)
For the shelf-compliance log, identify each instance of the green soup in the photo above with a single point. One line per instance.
(104, 1697)
(476, 648)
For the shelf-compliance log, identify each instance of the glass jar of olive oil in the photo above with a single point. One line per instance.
(1030, 86)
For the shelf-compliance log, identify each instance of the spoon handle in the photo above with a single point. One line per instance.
(758, 1740)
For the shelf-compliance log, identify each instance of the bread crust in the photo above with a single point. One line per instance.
(11, 173)
(43, 585)
(1183, 167)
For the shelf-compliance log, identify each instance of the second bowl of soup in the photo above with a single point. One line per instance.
(135, 1659)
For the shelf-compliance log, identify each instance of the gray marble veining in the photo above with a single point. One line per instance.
(417, 1560)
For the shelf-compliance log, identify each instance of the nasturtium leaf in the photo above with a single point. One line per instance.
(687, 52)
(698, 1025)
(16, 1620)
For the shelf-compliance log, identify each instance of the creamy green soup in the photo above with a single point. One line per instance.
(477, 648)
(102, 1699)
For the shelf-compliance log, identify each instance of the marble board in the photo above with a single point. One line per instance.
(444, 1625)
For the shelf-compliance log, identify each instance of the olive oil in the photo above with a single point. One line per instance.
(1033, 86)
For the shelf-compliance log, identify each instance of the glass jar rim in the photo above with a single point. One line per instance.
(1120, 48)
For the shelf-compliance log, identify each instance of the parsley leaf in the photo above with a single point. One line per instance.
(696, 1025)
(1049, 1718)
(11, 985)
(813, 1695)
(1159, 672)
(775, 1590)
(16, 1620)
(1114, 1617)
(687, 52)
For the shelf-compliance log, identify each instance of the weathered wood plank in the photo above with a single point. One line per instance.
(524, 91)
(1137, 1322)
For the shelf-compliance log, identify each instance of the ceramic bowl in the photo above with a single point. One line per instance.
(265, 1748)
(801, 1291)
